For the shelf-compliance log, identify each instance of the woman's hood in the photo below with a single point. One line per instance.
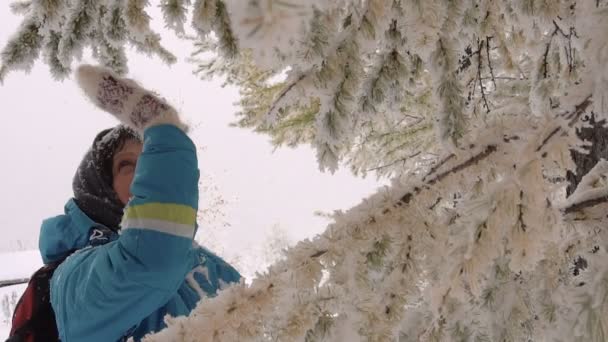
(62, 234)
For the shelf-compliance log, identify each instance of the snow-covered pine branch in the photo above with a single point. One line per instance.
(472, 268)
(475, 106)
(587, 193)
(62, 29)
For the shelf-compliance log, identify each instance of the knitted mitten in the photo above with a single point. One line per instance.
(133, 105)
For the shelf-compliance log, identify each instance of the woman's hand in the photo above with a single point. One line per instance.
(130, 103)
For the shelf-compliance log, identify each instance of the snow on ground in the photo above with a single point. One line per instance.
(4, 330)
(14, 265)
(9, 295)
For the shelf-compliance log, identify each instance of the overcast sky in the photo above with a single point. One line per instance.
(47, 126)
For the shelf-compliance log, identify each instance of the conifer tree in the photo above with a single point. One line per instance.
(488, 115)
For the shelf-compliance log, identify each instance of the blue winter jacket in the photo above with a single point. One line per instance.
(121, 285)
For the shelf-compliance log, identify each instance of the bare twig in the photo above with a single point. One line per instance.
(506, 78)
(578, 111)
(573, 117)
(553, 132)
(569, 49)
(520, 208)
(438, 165)
(404, 159)
(559, 30)
(435, 204)
(490, 61)
(585, 204)
(471, 161)
(285, 91)
(546, 54)
(479, 67)
(318, 253)
(405, 199)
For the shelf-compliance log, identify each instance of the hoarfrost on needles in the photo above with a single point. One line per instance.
(475, 109)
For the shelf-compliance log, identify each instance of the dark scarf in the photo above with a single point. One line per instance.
(92, 184)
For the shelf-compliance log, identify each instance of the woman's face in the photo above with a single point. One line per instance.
(123, 168)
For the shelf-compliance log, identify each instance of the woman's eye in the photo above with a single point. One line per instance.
(126, 165)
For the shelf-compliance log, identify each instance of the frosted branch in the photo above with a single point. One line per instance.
(591, 198)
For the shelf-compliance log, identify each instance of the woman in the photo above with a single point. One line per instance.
(131, 223)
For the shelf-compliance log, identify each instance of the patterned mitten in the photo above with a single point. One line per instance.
(133, 105)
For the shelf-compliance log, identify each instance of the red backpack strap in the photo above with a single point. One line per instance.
(33, 318)
(22, 316)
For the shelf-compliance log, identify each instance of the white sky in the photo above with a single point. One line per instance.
(47, 126)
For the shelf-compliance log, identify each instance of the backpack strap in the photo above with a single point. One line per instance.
(37, 319)
(39, 322)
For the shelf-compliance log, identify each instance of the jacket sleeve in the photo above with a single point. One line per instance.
(100, 293)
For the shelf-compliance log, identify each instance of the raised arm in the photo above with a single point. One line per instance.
(100, 293)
